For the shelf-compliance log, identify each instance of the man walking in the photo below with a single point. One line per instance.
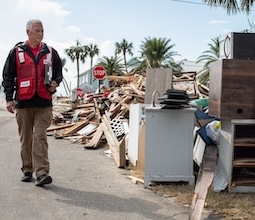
(31, 74)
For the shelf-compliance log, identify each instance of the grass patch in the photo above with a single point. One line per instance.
(233, 206)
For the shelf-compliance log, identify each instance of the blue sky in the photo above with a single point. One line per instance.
(189, 24)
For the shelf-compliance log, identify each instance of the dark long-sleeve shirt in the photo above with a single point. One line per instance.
(10, 76)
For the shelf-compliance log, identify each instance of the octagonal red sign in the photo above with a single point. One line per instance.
(99, 72)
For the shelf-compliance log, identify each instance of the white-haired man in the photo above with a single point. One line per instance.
(31, 74)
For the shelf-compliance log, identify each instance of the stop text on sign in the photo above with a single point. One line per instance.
(99, 72)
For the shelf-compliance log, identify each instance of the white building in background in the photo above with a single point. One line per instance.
(192, 66)
(84, 79)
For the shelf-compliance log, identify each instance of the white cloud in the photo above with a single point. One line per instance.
(218, 22)
(107, 48)
(89, 40)
(41, 6)
(73, 29)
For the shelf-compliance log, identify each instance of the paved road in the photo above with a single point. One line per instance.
(87, 185)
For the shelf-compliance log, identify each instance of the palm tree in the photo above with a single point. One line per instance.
(124, 47)
(111, 64)
(92, 50)
(77, 53)
(158, 52)
(208, 57)
(231, 5)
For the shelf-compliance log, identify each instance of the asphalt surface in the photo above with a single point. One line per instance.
(86, 185)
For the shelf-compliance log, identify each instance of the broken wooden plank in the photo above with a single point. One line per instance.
(122, 78)
(135, 180)
(197, 92)
(97, 110)
(54, 128)
(136, 90)
(141, 147)
(111, 142)
(94, 142)
(74, 139)
(76, 127)
(122, 152)
(85, 105)
(86, 112)
(204, 181)
(115, 146)
(117, 107)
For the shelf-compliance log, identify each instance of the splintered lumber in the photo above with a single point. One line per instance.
(94, 142)
(135, 180)
(84, 113)
(74, 139)
(85, 105)
(54, 128)
(114, 144)
(112, 106)
(135, 89)
(141, 147)
(204, 181)
(197, 92)
(122, 78)
(122, 113)
(122, 152)
(122, 102)
(76, 127)
(131, 94)
(97, 110)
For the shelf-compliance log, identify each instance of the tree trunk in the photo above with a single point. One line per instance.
(125, 61)
(78, 72)
(91, 73)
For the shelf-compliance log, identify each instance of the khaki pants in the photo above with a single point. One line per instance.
(32, 128)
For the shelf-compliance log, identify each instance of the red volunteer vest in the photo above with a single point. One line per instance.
(30, 77)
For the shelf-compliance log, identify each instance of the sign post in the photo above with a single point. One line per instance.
(99, 73)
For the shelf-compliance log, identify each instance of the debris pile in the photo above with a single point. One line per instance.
(102, 119)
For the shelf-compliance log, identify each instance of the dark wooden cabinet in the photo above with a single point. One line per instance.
(232, 89)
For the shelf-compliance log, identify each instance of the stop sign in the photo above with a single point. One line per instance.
(99, 72)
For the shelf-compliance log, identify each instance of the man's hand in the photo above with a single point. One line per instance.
(10, 105)
(53, 87)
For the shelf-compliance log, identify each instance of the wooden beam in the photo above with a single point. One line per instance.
(114, 144)
(204, 181)
(85, 105)
(76, 127)
(122, 78)
(97, 110)
(54, 128)
(94, 142)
